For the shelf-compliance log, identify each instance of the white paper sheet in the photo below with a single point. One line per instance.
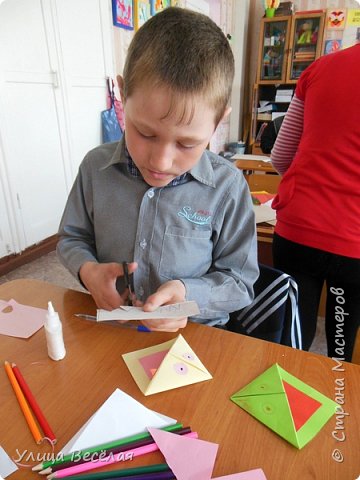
(176, 310)
(7, 466)
(247, 156)
(264, 213)
(120, 416)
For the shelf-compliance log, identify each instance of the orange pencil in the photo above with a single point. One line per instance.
(23, 405)
(33, 404)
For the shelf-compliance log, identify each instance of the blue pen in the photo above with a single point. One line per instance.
(92, 318)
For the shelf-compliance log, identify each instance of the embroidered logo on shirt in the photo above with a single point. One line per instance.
(201, 217)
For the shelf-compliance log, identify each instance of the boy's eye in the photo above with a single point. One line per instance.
(144, 135)
(186, 147)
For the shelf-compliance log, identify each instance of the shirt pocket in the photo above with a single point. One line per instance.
(186, 253)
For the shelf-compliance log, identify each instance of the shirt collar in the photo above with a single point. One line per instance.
(202, 172)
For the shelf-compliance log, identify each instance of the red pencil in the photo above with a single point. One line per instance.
(33, 404)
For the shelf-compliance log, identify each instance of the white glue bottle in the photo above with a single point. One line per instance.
(54, 334)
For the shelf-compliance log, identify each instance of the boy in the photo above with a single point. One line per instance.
(182, 214)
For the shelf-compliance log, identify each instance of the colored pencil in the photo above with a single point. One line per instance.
(112, 451)
(33, 404)
(125, 472)
(23, 404)
(110, 460)
(147, 476)
(103, 446)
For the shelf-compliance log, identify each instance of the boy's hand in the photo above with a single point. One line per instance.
(100, 280)
(170, 292)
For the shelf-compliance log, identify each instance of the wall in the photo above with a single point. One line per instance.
(232, 17)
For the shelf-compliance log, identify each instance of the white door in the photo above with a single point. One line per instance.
(7, 245)
(53, 65)
(30, 132)
(85, 48)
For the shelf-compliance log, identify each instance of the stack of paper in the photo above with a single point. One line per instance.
(284, 95)
(265, 106)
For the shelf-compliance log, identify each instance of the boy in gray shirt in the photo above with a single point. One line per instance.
(180, 214)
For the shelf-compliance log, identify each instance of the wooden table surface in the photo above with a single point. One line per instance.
(254, 165)
(71, 390)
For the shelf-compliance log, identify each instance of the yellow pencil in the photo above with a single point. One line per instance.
(23, 404)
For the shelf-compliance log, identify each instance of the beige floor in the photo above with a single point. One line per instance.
(49, 269)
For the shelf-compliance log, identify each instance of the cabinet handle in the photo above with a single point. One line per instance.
(55, 78)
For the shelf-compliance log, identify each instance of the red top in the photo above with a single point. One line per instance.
(318, 201)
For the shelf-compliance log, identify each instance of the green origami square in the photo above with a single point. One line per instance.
(286, 405)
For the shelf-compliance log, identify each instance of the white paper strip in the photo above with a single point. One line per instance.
(175, 310)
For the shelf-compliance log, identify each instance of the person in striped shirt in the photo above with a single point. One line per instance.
(317, 234)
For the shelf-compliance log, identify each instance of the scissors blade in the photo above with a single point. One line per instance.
(129, 282)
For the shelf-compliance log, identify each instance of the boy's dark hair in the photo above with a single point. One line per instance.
(186, 52)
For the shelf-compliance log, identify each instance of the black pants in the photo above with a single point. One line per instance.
(310, 268)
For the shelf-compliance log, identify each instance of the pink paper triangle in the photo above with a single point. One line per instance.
(188, 458)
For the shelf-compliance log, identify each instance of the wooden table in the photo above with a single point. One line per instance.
(260, 175)
(256, 164)
(71, 390)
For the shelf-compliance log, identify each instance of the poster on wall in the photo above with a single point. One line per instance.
(335, 18)
(158, 5)
(332, 45)
(142, 12)
(123, 13)
(351, 35)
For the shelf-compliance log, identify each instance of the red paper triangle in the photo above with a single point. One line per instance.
(301, 405)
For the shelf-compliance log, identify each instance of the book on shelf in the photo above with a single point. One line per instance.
(265, 108)
(307, 12)
(284, 95)
(277, 114)
(264, 116)
(285, 8)
(284, 91)
(306, 56)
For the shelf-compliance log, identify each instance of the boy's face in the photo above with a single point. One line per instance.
(160, 146)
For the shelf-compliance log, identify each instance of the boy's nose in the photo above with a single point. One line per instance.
(161, 159)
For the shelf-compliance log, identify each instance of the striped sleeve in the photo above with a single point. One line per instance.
(287, 141)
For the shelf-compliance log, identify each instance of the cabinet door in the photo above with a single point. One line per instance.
(54, 59)
(274, 39)
(306, 43)
(6, 241)
(29, 123)
(85, 44)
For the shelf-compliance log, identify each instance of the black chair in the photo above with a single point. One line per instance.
(273, 315)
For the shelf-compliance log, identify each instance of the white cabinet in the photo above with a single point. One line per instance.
(54, 59)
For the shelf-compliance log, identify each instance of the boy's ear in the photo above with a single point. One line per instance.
(120, 82)
(226, 113)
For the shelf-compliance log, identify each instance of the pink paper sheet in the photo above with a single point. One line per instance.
(256, 474)
(22, 320)
(188, 458)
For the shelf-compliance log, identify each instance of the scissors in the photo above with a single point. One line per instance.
(129, 282)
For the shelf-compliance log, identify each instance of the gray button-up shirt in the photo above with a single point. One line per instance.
(201, 231)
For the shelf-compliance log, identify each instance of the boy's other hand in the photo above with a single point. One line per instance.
(100, 281)
(170, 292)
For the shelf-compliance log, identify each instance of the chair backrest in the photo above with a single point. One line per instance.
(273, 315)
(356, 352)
